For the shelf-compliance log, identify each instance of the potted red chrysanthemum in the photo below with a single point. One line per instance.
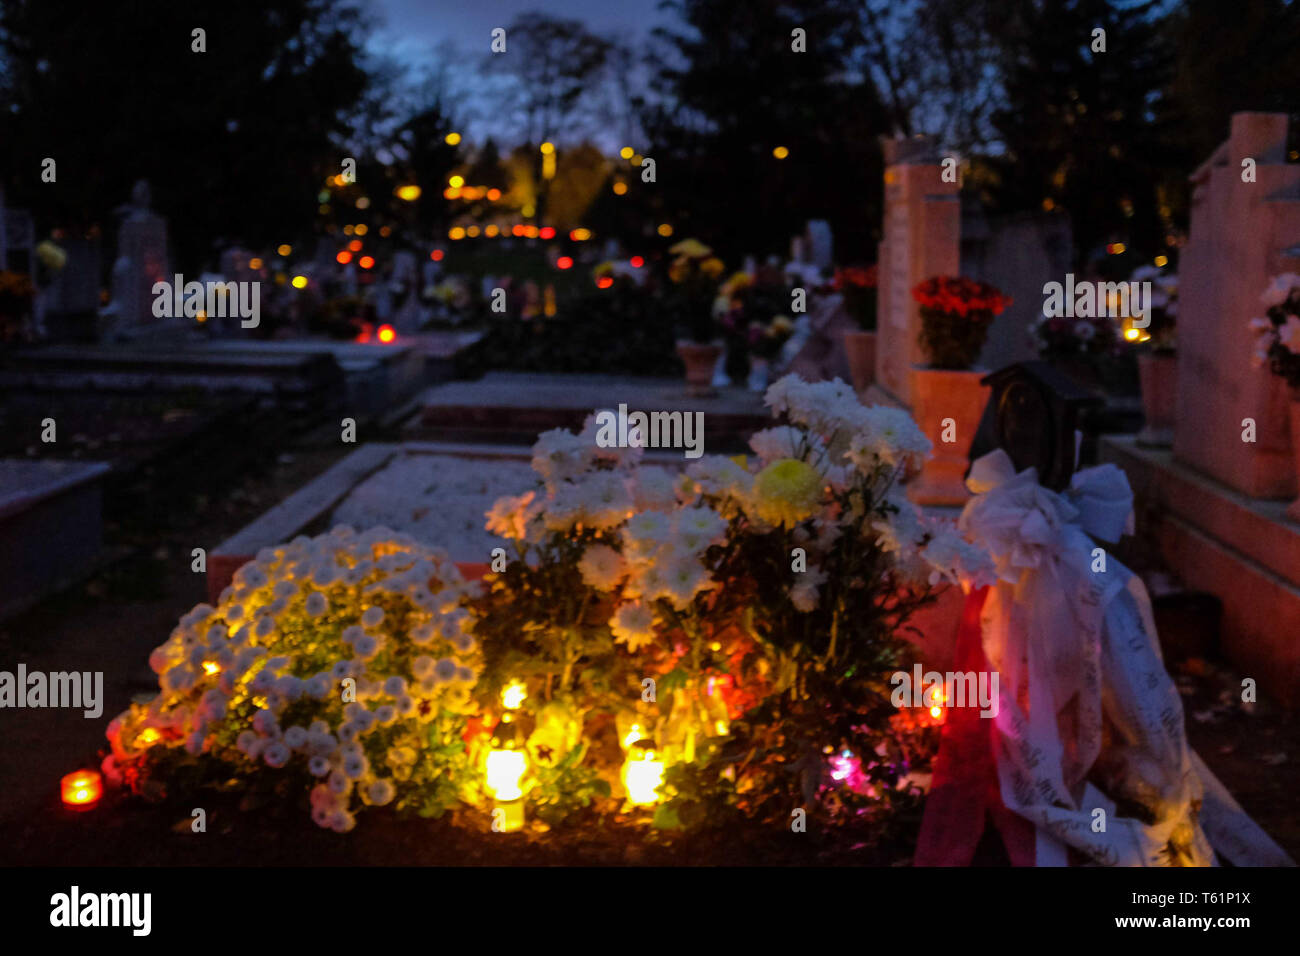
(947, 393)
(857, 288)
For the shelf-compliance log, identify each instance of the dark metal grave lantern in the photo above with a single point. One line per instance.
(1033, 415)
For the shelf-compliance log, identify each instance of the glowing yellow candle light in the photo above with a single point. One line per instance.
(506, 765)
(81, 790)
(513, 694)
(643, 774)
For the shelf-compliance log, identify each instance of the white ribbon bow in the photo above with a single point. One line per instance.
(1071, 633)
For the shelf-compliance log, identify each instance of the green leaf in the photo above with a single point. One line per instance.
(674, 679)
(666, 817)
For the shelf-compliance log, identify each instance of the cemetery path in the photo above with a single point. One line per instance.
(112, 622)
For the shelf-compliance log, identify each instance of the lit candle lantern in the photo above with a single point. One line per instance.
(513, 694)
(506, 765)
(82, 789)
(643, 773)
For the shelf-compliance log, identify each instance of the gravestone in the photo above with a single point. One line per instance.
(1241, 234)
(819, 244)
(141, 262)
(18, 241)
(1018, 254)
(405, 285)
(922, 239)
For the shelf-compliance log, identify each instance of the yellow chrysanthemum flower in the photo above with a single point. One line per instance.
(786, 492)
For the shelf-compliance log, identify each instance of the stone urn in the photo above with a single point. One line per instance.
(699, 359)
(1293, 512)
(948, 405)
(861, 350)
(1158, 374)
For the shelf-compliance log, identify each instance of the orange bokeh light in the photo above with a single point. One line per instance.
(82, 789)
(547, 232)
(343, 258)
(564, 262)
(366, 262)
(436, 255)
(387, 334)
(355, 245)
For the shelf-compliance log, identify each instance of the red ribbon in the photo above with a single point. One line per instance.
(964, 791)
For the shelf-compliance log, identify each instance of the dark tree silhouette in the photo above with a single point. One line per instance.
(235, 140)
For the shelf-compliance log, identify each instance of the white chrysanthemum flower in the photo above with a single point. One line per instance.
(276, 754)
(889, 436)
(698, 528)
(316, 604)
(645, 532)
(805, 593)
(783, 441)
(295, 737)
(318, 766)
(445, 670)
(265, 723)
(606, 502)
(1280, 289)
(342, 821)
(602, 567)
(653, 489)
(633, 625)
(559, 455)
(717, 476)
(684, 578)
(355, 766)
(509, 515)
(372, 617)
(381, 792)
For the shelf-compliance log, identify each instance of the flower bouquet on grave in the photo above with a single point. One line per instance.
(1277, 345)
(1277, 334)
(716, 645)
(747, 614)
(692, 276)
(338, 668)
(857, 286)
(1160, 336)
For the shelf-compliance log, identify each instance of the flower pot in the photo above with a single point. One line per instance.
(1158, 373)
(861, 350)
(1293, 512)
(948, 405)
(699, 359)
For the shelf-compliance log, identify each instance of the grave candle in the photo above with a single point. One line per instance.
(81, 790)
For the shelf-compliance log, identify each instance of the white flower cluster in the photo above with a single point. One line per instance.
(1282, 290)
(655, 531)
(265, 669)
